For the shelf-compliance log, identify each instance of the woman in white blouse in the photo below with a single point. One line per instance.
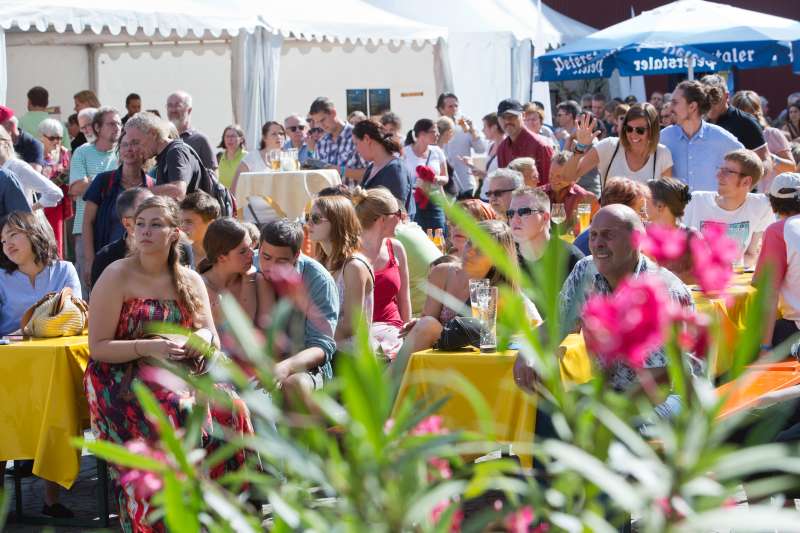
(636, 154)
(32, 182)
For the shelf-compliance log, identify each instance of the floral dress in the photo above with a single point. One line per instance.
(57, 170)
(117, 416)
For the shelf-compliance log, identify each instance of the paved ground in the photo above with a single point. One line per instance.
(81, 499)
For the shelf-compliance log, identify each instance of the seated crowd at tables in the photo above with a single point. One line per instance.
(147, 249)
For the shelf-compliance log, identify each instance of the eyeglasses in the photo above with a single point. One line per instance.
(498, 193)
(296, 128)
(52, 139)
(522, 212)
(315, 130)
(725, 171)
(639, 130)
(315, 218)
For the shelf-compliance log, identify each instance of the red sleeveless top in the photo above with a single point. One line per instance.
(387, 287)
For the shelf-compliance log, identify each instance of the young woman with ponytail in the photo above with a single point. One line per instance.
(142, 290)
(384, 168)
(228, 268)
(422, 151)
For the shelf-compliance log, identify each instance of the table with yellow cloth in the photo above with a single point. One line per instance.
(288, 193)
(433, 374)
(730, 309)
(43, 404)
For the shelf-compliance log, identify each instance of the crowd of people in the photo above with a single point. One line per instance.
(109, 206)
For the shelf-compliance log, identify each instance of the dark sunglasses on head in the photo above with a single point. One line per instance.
(498, 193)
(522, 212)
(296, 128)
(315, 130)
(639, 130)
(315, 218)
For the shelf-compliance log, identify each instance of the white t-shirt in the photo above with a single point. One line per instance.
(255, 161)
(754, 215)
(619, 166)
(436, 160)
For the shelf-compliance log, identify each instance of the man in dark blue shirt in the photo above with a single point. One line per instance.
(28, 148)
(11, 196)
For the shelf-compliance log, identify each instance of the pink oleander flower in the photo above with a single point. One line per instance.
(694, 335)
(520, 520)
(712, 257)
(440, 508)
(430, 425)
(628, 324)
(661, 243)
(442, 466)
(143, 482)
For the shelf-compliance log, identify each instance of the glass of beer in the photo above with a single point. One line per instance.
(584, 216)
(274, 158)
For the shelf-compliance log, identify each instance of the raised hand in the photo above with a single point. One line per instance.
(585, 129)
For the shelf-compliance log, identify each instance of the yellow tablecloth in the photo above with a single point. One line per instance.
(730, 309)
(290, 192)
(430, 376)
(43, 405)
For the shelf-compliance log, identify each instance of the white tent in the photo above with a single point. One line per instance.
(489, 44)
(257, 29)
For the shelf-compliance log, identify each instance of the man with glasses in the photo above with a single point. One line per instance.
(529, 218)
(89, 160)
(296, 127)
(502, 182)
(337, 147)
(179, 112)
(745, 214)
(520, 142)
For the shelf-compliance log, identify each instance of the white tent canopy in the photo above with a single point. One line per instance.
(489, 44)
(258, 28)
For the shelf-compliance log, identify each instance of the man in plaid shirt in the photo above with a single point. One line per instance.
(337, 148)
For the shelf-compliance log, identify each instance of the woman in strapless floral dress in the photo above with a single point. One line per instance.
(149, 287)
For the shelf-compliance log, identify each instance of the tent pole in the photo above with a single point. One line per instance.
(690, 68)
(94, 70)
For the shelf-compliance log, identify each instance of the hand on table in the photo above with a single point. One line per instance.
(524, 375)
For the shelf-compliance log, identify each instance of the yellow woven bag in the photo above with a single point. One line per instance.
(57, 314)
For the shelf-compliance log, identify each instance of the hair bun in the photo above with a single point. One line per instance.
(686, 194)
(359, 195)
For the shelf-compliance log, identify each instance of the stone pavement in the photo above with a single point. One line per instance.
(81, 499)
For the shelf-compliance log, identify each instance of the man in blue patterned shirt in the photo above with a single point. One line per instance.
(337, 147)
(613, 259)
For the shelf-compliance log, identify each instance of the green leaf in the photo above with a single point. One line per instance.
(753, 518)
(420, 510)
(284, 510)
(166, 432)
(178, 515)
(223, 504)
(119, 455)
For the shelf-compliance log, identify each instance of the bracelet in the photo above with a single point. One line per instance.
(581, 148)
(766, 347)
(135, 346)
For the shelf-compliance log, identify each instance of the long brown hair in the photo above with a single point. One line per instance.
(180, 278)
(649, 113)
(222, 236)
(345, 231)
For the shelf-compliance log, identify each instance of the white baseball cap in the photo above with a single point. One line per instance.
(786, 185)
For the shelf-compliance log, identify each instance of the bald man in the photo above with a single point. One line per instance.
(613, 259)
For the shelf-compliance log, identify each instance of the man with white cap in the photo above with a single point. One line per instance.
(780, 259)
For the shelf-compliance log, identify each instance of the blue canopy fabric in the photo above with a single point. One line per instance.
(665, 40)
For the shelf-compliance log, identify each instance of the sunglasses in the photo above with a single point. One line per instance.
(639, 130)
(522, 212)
(498, 193)
(52, 139)
(296, 128)
(315, 130)
(398, 213)
(315, 218)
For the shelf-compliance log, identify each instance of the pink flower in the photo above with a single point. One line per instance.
(163, 377)
(388, 425)
(442, 466)
(712, 257)
(520, 520)
(430, 425)
(629, 324)
(440, 508)
(661, 243)
(694, 335)
(143, 482)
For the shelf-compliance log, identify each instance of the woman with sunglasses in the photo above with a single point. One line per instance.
(635, 154)
(56, 168)
(384, 169)
(379, 213)
(233, 151)
(422, 151)
(272, 138)
(335, 230)
(441, 325)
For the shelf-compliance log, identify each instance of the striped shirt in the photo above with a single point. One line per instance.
(87, 162)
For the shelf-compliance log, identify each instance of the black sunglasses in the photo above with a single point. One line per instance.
(52, 139)
(498, 193)
(638, 129)
(522, 212)
(296, 128)
(315, 218)
(315, 130)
